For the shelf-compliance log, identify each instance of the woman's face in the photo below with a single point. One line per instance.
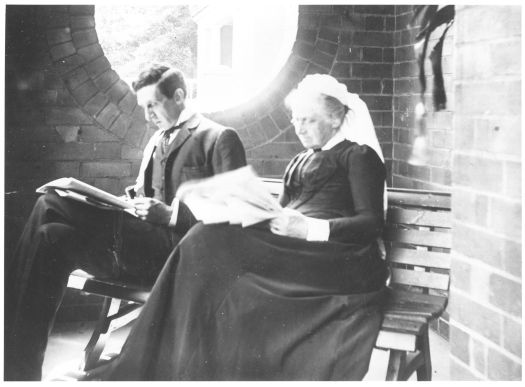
(312, 123)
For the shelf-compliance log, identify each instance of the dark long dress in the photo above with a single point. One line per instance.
(245, 304)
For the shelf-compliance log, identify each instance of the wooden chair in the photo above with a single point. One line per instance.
(418, 241)
(122, 304)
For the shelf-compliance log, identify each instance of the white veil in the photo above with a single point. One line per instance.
(357, 125)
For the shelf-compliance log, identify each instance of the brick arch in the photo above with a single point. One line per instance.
(263, 122)
(322, 45)
(87, 74)
(353, 44)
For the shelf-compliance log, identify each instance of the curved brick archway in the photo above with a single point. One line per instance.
(81, 120)
(322, 45)
(98, 90)
(86, 72)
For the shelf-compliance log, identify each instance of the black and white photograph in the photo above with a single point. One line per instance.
(262, 191)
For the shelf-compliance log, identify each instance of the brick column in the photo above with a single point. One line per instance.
(435, 175)
(486, 290)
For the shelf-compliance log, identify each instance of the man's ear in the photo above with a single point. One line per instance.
(179, 96)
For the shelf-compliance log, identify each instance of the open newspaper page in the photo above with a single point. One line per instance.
(77, 190)
(235, 197)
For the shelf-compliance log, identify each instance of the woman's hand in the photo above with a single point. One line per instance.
(290, 223)
(152, 210)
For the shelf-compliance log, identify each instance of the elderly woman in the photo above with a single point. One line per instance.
(299, 302)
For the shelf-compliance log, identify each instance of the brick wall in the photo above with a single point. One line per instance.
(486, 289)
(67, 111)
(436, 174)
(67, 114)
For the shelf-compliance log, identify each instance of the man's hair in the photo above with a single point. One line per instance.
(167, 79)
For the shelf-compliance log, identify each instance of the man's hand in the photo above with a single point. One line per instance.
(152, 210)
(290, 223)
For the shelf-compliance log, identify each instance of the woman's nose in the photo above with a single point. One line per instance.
(300, 127)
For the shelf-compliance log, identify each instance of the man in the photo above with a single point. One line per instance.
(62, 235)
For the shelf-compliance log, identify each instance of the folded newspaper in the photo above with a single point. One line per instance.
(236, 197)
(83, 192)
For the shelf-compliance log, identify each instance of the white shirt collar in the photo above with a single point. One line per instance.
(336, 139)
(185, 115)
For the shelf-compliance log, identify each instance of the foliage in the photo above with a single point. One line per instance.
(429, 18)
(132, 36)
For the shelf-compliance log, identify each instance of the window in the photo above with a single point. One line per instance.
(226, 45)
(228, 51)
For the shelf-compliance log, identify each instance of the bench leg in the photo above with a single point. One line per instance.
(98, 339)
(401, 366)
(424, 372)
(396, 365)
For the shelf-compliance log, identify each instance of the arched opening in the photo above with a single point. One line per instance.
(229, 52)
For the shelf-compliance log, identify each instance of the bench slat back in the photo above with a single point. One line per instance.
(275, 186)
(417, 237)
(418, 240)
(418, 198)
(420, 278)
(423, 258)
(420, 217)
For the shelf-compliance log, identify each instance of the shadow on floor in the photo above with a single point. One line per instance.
(66, 344)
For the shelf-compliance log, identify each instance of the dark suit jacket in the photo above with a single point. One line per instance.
(201, 149)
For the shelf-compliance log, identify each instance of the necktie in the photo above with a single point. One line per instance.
(165, 142)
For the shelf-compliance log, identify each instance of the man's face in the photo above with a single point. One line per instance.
(159, 109)
(312, 124)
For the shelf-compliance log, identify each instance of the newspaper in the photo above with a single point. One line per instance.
(77, 190)
(236, 197)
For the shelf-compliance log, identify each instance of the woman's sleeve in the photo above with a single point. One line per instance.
(366, 175)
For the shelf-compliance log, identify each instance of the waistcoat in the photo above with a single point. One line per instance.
(158, 176)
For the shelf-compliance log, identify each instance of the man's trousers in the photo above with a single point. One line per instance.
(63, 235)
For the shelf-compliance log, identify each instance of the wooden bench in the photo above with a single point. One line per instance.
(417, 240)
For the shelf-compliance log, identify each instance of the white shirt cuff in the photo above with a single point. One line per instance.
(318, 230)
(175, 213)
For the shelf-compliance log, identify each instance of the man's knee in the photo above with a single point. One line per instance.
(48, 200)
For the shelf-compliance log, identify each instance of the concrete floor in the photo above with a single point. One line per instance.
(67, 342)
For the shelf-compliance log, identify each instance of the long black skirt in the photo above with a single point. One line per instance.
(245, 304)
